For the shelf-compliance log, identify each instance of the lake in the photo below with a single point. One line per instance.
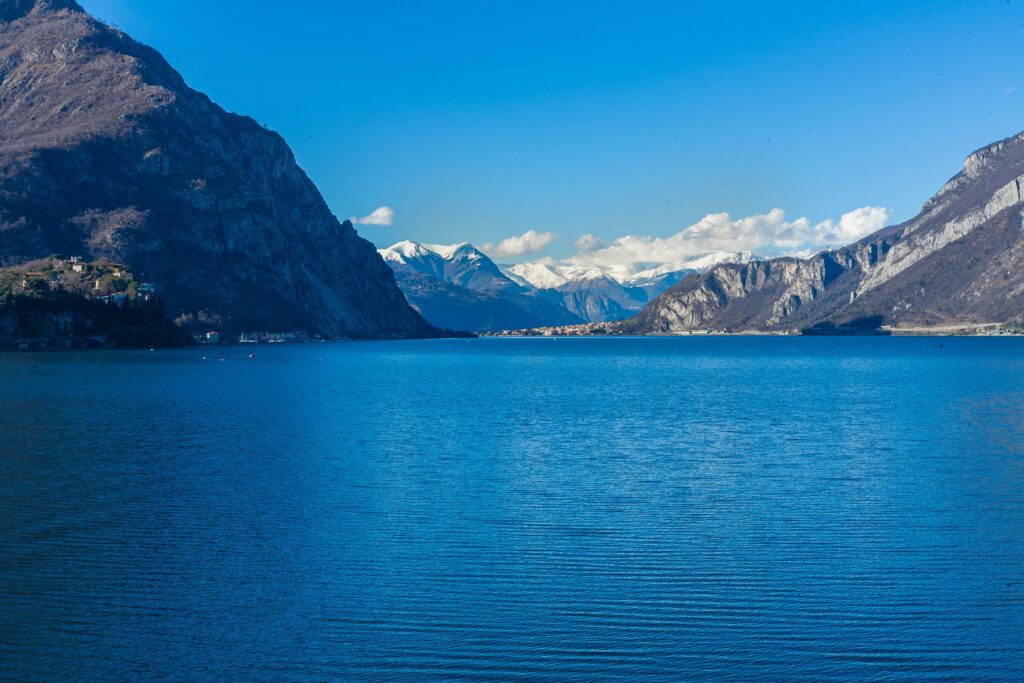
(731, 508)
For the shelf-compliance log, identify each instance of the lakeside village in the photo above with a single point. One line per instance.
(215, 337)
(58, 303)
(69, 303)
(1006, 329)
(107, 283)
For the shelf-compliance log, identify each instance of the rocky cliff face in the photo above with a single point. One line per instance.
(958, 261)
(106, 153)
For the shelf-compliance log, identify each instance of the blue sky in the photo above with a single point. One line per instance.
(483, 120)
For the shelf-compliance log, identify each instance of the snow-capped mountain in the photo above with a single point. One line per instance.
(697, 264)
(458, 287)
(552, 293)
(548, 276)
(601, 295)
(656, 280)
(588, 292)
(552, 276)
(460, 264)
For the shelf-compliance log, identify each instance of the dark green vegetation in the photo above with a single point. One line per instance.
(58, 304)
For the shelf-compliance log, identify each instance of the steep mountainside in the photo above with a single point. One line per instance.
(960, 261)
(452, 307)
(599, 298)
(591, 294)
(106, 153)
(458, 287)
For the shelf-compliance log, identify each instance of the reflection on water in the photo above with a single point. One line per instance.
(659, 509)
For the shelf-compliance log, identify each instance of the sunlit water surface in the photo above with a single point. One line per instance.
(634, 509)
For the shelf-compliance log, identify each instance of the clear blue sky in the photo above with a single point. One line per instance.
(479, 120)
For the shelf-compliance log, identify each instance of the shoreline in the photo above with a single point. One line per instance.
(972, 330)
(598, 330)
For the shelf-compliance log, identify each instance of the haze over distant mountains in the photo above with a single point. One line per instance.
(459, 287)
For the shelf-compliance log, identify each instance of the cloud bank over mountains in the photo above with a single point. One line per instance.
(530, 242)
(768, 234)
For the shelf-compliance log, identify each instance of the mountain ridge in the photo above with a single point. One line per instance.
(17, 9)
(575, 293)
(459, 287)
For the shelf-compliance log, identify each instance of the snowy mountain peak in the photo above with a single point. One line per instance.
(407, 251)
(552, 276)
(404, 251)
(589, 292)
(694, 264)
(460, 264)
(538, 275)
(463, 251)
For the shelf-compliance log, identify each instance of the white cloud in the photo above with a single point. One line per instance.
(529, 242)
(588, 242)
(382, 216)
(852, 226)
(769, 234)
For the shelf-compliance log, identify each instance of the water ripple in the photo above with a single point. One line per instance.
(618, 509)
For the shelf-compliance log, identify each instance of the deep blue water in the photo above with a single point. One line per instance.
(576, 509)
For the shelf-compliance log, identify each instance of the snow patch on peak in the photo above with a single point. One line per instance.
(696, 264)
(463, 251)
(539, 275)
(552, 276)
(577, 273)
(407, 251)
(547, 275)
(402, 251)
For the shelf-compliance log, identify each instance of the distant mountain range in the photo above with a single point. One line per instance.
(459, 287)
(960, 261)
